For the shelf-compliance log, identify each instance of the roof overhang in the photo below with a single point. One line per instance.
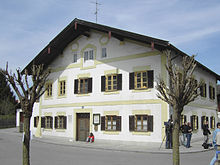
(80, 27)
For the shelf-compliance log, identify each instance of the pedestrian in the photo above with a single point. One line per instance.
(169, 131)
(216, 142)
(206, 131)
(90, 138)
(183, 129)
(188, 135)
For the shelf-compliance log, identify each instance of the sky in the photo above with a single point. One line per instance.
(193, 26)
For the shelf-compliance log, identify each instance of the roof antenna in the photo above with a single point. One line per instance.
(96, 12)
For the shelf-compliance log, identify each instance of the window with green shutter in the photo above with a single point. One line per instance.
(83, 86)
(60, 122)
(111, 123)
(141, 123)
(141, 79)
(111, 82)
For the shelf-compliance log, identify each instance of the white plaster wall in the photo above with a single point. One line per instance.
(114, 49)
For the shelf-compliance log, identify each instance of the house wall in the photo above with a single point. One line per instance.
(202, 106)
(122, 58)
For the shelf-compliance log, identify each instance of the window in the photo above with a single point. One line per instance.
(212, 122)
(75, 57)
(62, 87)
(182, 119)
(203, 90)
(88, 55)
(91, 55)
(111, 82)
(141, 123)
(104, 53)
(211, 92)
(141, 80)
(194, 122)
(111, 123)
(48, 90)
(60, 122)
(47, 122)
(36, 121)
(83, 86)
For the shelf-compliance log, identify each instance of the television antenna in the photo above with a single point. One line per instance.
(96, 11)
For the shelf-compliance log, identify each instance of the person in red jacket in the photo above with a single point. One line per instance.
(90, 138)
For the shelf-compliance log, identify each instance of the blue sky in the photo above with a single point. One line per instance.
(193, 26)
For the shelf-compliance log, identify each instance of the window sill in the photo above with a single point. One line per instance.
(81, 95)
(60, 130)
(61, 96)
(141, 90)
(111, 92)
(141, 133)
(48, 129)
(48, 98)
(111, 132)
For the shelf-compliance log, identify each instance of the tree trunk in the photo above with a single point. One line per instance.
(26, 141)
(176, 121)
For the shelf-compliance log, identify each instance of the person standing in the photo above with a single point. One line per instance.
(206, 131)
(184, 129)
(169, 132)
(189, 134)
(215, 140)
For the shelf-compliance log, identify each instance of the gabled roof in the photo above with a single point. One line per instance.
(80, 27)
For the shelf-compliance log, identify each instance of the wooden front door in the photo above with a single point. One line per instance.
(82, 126)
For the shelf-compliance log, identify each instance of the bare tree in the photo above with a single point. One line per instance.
(182, 90)
(27, 95)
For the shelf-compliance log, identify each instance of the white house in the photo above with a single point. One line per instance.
(103, 81)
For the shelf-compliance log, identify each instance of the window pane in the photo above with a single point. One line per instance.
(91, 54)
(139, 128)
(104, 54)
(144, 128)
(75, 57)
(85, 55)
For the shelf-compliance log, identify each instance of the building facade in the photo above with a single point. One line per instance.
(103, 81)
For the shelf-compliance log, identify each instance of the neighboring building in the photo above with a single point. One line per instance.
(103, 81)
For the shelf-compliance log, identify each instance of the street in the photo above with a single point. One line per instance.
(52, 154)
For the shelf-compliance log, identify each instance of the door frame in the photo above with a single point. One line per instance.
(77, 123)
(75, 111)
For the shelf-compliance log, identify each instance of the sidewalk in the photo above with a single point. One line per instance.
(142, 147)
(115, 145)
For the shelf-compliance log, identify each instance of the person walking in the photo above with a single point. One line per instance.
(184, 129)
(206, 131)
(189, 134)
(215, 141)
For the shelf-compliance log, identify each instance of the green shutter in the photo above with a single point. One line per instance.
(131, 80)
(118, 123)
(76, 86)
(131, 123)
(102, 83)
(102, 123)
(150, 123)
(150, 75)
(119, 82)
(90, 85)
